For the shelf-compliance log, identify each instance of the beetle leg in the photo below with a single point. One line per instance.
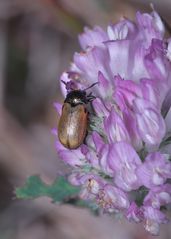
(90, 94)
(90, 97)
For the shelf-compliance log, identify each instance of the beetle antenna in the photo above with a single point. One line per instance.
(63, 82)
(91, 86)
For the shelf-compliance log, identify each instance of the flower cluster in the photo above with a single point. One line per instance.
(124, 165)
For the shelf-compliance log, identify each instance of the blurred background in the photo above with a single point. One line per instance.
(37, 41)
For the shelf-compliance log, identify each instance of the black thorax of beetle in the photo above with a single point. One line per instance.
(77, 97)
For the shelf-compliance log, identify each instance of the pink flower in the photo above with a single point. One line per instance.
(158, 196)
(124, 165)
(113, 199)
(123, 159)
(155, 170)
(152, 219)
(135, 213)
(74, 158)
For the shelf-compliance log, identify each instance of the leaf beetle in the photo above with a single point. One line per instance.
(73, 122)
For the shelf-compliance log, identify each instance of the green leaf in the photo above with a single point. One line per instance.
(59, 191)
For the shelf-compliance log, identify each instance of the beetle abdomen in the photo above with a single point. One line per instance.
(72, 125)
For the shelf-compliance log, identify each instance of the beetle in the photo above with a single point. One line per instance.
(73, 123)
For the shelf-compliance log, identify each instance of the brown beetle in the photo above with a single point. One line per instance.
(72, 126)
